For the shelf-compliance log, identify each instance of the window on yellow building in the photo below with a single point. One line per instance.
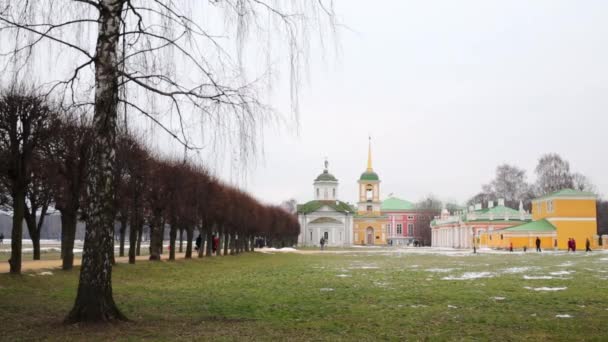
(549, 206)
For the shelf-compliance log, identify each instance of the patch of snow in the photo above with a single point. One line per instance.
(561, 273)
(470, 275)
(513, 270)
(365, 267)
(545, 288)
(441, 270)
(527, 277)
(563, 316)
(45, 273)
(498, 298)
(566, 264)
(326, 289)
(343, 275)
(452, 306)
(424, 306)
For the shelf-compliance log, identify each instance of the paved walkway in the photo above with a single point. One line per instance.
(33, 265)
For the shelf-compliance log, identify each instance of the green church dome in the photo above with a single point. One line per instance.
(369, 176)
(326, 176)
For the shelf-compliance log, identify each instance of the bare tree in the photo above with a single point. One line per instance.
(38, 199)
(582, 183)
(24, 124)
(123, 45)
(553, 174)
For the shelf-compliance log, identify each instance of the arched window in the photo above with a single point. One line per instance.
(369, 192)
(317, 192)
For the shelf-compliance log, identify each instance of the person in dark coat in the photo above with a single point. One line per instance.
(587, 246)
(573, 245)
(1, 239)
(199, 240)
(538, 244)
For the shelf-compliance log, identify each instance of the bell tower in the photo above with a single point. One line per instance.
(369, 188)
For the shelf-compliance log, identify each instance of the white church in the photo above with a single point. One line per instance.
(326, 216)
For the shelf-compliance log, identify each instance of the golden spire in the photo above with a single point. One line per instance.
(369, 156)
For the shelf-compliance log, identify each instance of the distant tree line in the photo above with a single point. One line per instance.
(553, 173)
(47, 154)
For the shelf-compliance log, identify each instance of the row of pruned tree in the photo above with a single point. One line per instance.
(48, 156)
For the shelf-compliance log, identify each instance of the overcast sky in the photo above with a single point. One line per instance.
(447, 90)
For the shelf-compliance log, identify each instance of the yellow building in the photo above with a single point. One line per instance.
(558, 217)
(369, 223)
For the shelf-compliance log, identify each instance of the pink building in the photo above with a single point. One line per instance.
(406, 223)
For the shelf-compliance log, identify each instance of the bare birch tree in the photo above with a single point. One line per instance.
(153, 58)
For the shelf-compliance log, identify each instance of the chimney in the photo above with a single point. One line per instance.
(501, 201)
(491, 204)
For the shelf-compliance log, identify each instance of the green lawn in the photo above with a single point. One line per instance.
(356, 296)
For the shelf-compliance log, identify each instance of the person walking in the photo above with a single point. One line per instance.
(198, 242)
(510, 246)
(1, 239)
(322, 242)
(569, 244)
(538, 244)
(573, 245)
(587, 245)
(216, 244)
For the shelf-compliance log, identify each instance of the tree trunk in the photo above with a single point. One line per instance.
(122, 231)
(156, 238)
(246, 242)
(232, 243)
(94, 300)
(209, 243)
(172, 237)
(252, 243)
(68, 235)
(181, 240)
(17, 232)
(30, 222)
(133, 232)
(202, 247)
(189, 236)
(226, 236)
(140, 232)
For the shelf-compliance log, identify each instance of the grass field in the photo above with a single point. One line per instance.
(358, 295)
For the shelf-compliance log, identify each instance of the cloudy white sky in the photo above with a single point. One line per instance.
(447, 90)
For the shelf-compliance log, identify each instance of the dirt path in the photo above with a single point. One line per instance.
(33, 265)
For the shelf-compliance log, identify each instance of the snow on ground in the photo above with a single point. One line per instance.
(561, 273)
(563, 316)
(498, 298)
(527, 277)
(441, 270)
(470, 275)
(513, 270)
(272, 249)
(326, 289)
(545, 288)
(45, 273)
(343, 276)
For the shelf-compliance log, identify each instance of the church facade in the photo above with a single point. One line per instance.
(326, 216)
(370, 225)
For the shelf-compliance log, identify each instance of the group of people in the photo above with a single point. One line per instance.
(572, 245)
(214, 245)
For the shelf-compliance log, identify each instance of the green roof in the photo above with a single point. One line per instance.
(497, 210)
(395, 204)
(534, 226)
(569, 193)
(326, 176)
(369, 176)
(313, 206)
